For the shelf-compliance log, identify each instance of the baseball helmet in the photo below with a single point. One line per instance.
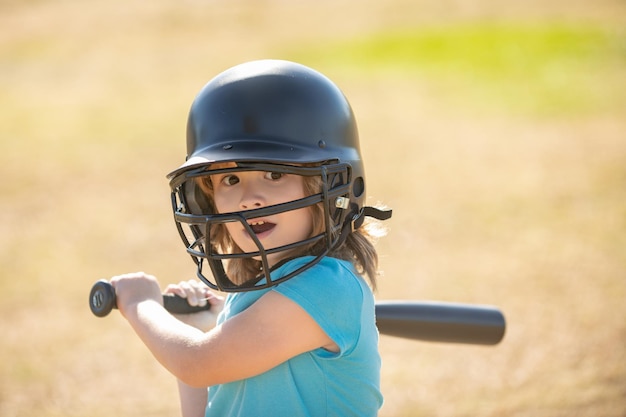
(275, 116)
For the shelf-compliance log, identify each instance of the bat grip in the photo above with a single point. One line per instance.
(102, 300)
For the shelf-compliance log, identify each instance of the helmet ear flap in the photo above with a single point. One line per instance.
(195, 200)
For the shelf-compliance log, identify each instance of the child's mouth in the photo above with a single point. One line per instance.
(261, 226)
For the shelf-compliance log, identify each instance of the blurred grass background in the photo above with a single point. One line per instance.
(496, 132)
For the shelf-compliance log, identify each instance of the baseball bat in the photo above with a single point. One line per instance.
(418, 320)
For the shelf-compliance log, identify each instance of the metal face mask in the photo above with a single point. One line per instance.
(199, 224)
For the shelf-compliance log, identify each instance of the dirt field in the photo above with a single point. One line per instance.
(496, 132)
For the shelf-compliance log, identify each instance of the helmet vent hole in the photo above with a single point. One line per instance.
(358, 187)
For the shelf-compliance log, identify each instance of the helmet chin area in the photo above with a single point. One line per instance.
(199, 227)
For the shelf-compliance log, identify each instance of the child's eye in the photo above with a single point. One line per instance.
(230, 180)
(274, 176)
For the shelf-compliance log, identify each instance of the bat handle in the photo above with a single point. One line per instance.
(102, 300)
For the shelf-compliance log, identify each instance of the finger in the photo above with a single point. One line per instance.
(192, 295)
(176, 289)
(197, 290)
(202, 292)
(214, 299)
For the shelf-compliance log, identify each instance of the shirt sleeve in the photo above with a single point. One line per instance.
(331, 294)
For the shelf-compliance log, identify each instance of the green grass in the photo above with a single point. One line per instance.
(541, 68)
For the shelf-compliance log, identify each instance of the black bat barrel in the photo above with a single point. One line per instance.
(441, 322)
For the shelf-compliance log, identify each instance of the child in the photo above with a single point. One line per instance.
(271, 198)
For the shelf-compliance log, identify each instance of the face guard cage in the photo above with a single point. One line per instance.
(195, 223)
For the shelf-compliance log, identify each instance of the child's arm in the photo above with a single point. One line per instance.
(193, 400)
(271, 331)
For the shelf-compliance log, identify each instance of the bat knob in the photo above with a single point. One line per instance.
(102, 298)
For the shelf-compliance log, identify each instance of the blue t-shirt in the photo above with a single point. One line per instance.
(319, 382)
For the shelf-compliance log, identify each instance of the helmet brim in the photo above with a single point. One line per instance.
(256, 150)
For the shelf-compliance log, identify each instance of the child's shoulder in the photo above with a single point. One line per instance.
(328, 268)
(331, 278)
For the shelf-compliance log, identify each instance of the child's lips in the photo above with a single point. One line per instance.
(259, 227)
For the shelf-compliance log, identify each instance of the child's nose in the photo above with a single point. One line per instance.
(251, 198)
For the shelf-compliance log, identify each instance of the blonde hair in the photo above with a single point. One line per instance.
(357, 248)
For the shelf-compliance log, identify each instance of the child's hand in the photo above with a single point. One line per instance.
(133, 288)
(198, 294)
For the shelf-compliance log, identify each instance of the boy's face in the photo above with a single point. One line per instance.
(238, 191)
